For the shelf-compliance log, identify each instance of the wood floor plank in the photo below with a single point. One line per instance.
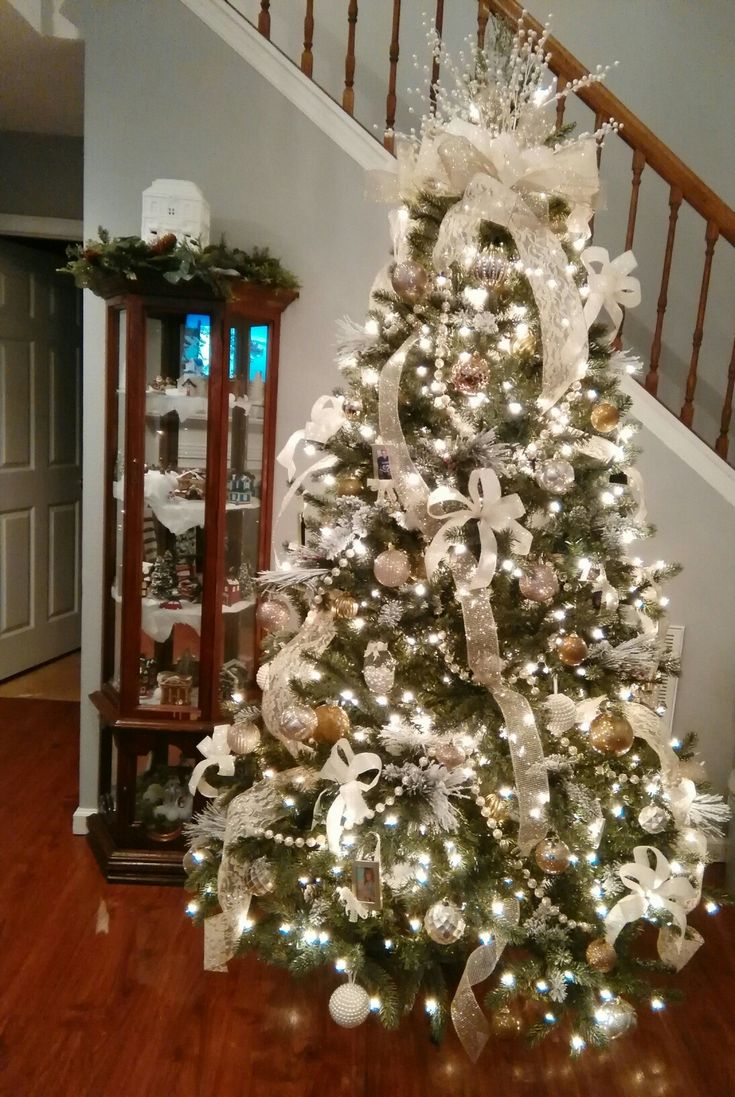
(130, 1013)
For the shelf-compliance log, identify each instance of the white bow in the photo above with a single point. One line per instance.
(492, 511)
(354, 908)
(611, 286)
(652, 889)
(216, 752)
(326, 419)
(349, 806)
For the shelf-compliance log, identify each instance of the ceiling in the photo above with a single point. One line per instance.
(41, 77)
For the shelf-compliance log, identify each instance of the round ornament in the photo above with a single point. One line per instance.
(552, 856)
(409, 280)
(470, 377)
(572, 650)
(243, 737)
(352, 407)
(273, 616)
(615, 1018)
(349, 1005)
(611, 734)
(497, 806)
(297, 722)
(450, 755)
(555, 476)
(561, 713)
(605, 417)
(190, 862)
(504, 1023)
(444, 923)
(332, 723)
(262, 676)
(492, 267)
(348, 485)
(260, 878)
(653, 818)
(380, 679)
(392, 568)
(539, 583)
(601, 955)
(344, 605)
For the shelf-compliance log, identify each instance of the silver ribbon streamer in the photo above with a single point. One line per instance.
(469, 1021)
(483, 652)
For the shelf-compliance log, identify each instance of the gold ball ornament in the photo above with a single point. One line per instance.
(344, 605)
(572, 650)
(552, 856)
(611, 734)
(392, 568)
(332, 724)
(539, 583)
(601, 956)
(504, 1023)
(409, 280)
(243, 737)
(352, 407)
(492, 267)
(348, 485)
(605, 417)
(496, 806)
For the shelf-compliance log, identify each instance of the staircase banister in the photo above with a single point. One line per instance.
(637, 135)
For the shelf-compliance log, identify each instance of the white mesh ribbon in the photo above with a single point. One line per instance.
(610, 285)
(469, 1020)
(485, 504)
(349, 806)
(216, 753)
(483, 653)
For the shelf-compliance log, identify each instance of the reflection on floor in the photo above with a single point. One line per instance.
(55, 681)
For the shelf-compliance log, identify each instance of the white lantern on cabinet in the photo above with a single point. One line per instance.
(176, 206)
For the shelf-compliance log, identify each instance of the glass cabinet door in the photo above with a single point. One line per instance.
(118, 499)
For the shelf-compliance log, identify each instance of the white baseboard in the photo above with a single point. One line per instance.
(79, 819)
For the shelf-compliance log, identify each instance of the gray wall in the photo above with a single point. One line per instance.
(41, 175)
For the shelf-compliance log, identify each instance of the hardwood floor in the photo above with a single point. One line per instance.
(57, 680)
(130, 1013)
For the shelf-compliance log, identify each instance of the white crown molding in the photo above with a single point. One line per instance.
(282, 73)
(47, 228)
(681, 440)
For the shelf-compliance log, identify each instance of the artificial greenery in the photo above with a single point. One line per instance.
(99, 263)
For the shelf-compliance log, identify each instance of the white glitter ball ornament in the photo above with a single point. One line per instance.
(349, 1005)
(392, 568)
(555, 476)
(262, 676)
(561, 713)
(444, 923)
(653, 818)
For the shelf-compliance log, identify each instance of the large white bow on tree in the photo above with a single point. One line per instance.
(216, 753)
(610, 285)
(486, 505)
(326, 419)
(349, 806)
(652, 889)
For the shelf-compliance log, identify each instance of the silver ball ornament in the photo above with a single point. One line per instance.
(349, 1005)
(409, 280)
(555, 476)
(449, 755)
(615, 1018)
(260, 878)
(273, 616)
(491, 267)
(243, 737)
(539, 583)
(653, 818)
(297, 722)
(392, 568)
(444, 923)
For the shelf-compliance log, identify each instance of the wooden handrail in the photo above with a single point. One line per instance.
(606, 105)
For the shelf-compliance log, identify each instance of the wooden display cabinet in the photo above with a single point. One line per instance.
(190, 428)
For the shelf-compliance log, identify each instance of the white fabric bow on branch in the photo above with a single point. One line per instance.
(216, 753)
(610, 286)
(354, 908)
(326, 419)
(656, 889)
(492, 511)
(349, 806)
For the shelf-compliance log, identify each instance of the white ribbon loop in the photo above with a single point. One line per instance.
(492, 511)
(349, 807)
(216, 753)
(327, 417)
(610, 286)
(652, 888)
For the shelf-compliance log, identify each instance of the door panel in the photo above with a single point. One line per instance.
(40, 443)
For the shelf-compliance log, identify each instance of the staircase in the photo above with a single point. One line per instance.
(683, 234)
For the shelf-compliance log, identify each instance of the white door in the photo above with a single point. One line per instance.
(40, 459)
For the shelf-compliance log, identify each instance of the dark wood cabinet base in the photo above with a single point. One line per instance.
(123, 865)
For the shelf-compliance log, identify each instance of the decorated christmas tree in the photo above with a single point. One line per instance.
(462, 775)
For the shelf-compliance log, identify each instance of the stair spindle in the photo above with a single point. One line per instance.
(307, 57)
(639, 162)
(599, 119)
(438, 27)
(675, 200)
(264, 19)
(348, 95)
(687, 412)
(723, 442)
(483, 14)
(561, 83)
(390, 103)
